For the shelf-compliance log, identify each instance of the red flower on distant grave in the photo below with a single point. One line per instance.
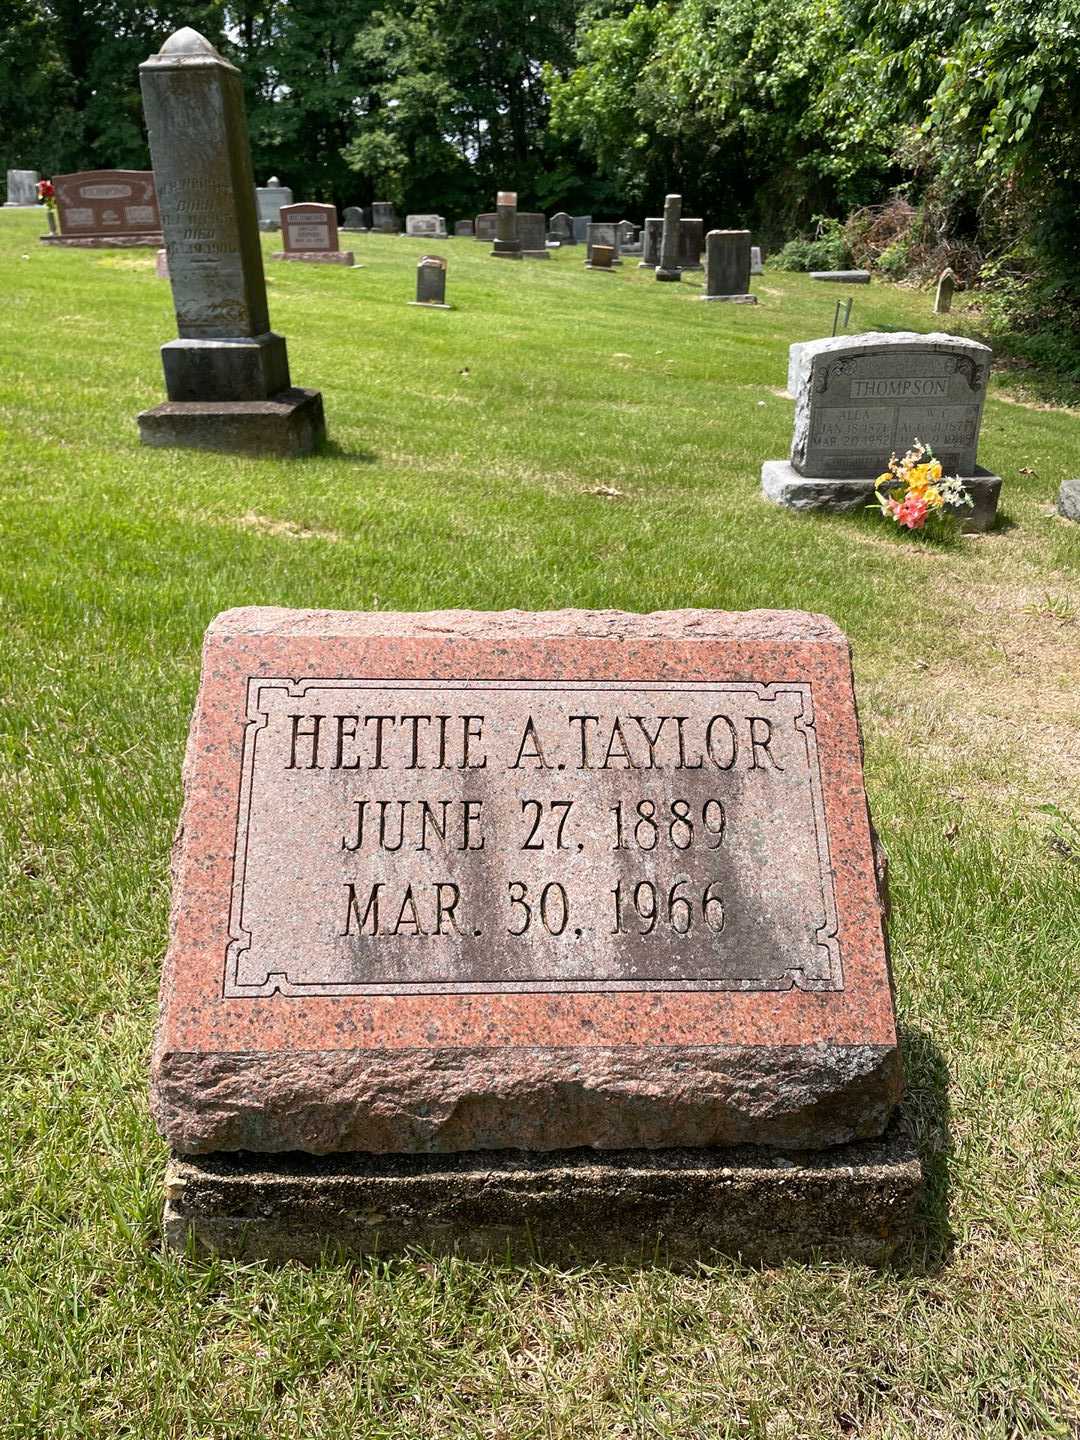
(46, 192)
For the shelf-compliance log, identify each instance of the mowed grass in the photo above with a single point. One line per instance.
(467, 452)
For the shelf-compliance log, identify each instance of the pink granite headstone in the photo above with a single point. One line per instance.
(461, 881)
(310, 232)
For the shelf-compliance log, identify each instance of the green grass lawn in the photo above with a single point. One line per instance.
(467, 454)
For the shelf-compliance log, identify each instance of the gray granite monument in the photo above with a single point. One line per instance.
(227, 375)
(485, 227)
(384, 218)
(862, 398)
(431, 283)
(670, 240)
(426, 227)
(21, 189)
(464, 228)
(651, 232)
(506, 245)
(581, 228)
(562, 229)
(691, 244)
(757, 266)
(355, 220)
(532, 235)
(727, 267)
(269, 199)
(602, 232)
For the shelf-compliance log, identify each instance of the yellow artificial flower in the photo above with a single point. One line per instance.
(917, 478)
(933, 497)
(934, 469)
(886, 479)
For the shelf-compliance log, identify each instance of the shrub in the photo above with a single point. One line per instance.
(828, 250)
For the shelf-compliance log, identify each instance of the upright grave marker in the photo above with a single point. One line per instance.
(355, 219)
(651, 234)
(485, 227)
(602, 257)
(670, 239)
(310, 233)
(506, 245)
(562, 229)
(526, 883)
(861, 398)
(605, 233)
(269, 199)
(100, 209)
(426, 226)
(943, 296)
(464, 228)
(227, 376)
(727, 267)
(691, 244)
(532, 235)
(431, 283)
(21, 189)
(384, 218)
(581, 228)
(757, 266)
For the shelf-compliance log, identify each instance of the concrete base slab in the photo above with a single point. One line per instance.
(429, 305)
(152, 240)
(316, 257)
(732, 299)
(783, 485)
(576, 1206)
(288, 424)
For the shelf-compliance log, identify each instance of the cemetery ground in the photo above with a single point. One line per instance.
(560, 438)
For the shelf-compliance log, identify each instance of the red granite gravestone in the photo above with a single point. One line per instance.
(458, 882)
(98, 208)
(310, 232)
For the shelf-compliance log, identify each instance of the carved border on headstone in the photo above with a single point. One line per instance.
(837, 368)
(974, 373)
(826, 937)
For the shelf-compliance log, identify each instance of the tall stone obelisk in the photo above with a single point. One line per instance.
(506, 245)
(227, 376)
(668, 269)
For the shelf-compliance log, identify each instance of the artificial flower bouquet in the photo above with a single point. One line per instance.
(917, 496)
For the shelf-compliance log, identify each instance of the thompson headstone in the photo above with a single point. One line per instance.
(431, 283)
(668, 268)
(527, 884)
(506, 245)
(21, 189)
(309, 232)
(227, 376)
(269, 199)
(727, 267)
(862, 398)
(104, 208)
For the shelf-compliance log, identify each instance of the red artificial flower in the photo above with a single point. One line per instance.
(45, 190)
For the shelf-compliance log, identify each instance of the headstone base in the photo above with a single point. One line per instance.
(535, 255)
(783, 485)
(287, 425)
(607, 269)
(856, 1202)
(152, 240)
(662, 274)
(250, 368)
(316, 257)
(505, 250)
(842, 277)
(429, 305)
(732, 299)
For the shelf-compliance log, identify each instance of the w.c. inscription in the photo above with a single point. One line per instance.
(484, 836)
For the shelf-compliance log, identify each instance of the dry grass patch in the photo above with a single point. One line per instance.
(285, 529)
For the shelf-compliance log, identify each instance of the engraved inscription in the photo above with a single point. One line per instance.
(854, 429)
(899, 388)
(309, 235)
(484, 836)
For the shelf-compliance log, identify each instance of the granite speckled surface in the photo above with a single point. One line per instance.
(540, 1069)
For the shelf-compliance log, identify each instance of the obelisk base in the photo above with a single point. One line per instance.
(288, 424)
(854, 1202)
